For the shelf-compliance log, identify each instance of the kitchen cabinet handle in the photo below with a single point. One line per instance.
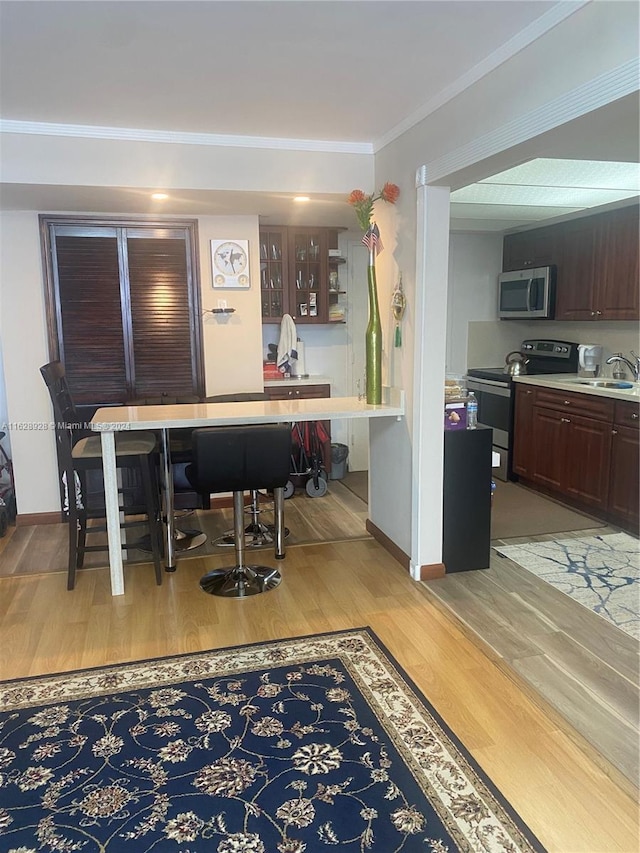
(567, 402)
(565, 420)
(614, 432)
(634, 416)
(599, 313)
(593, 313)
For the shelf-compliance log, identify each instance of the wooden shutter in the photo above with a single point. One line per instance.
(91, 339)
(123, 307)
(163, 348)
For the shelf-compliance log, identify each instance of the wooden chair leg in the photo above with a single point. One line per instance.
(77, 535)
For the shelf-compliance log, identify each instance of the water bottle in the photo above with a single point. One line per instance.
(472, 411)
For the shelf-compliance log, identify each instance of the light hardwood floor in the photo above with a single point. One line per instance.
(549, 774)
(582, 665)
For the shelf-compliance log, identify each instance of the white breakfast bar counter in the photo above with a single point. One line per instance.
(110, 420)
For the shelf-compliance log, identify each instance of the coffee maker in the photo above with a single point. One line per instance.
(589, 360)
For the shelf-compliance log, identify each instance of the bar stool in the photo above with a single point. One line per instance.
(257, 533)
(236, 459)
(81, 485)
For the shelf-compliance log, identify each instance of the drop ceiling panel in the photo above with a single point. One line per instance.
(539, 196)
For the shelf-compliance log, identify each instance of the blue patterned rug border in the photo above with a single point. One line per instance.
(394, 701)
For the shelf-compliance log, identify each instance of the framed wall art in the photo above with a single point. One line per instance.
(230, 260)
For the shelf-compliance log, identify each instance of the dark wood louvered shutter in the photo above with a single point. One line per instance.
(91, 340)
(163, 348)
(123, 307)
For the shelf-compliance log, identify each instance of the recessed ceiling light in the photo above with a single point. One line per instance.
(301, 198)
(159, 196)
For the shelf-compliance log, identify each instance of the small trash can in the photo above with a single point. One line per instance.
(339, 457)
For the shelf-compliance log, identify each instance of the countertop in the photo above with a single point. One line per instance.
(571, 382)
(116, 418)
(310, 380)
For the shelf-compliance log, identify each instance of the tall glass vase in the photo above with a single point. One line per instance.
(373, 340)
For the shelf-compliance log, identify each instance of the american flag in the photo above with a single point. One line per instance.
(372, 239)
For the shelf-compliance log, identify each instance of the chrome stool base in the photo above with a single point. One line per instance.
(255, 536)
(241, 581)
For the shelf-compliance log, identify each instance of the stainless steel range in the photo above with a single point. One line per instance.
(495, 391)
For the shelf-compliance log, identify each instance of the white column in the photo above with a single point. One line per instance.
(112, 511)
(432, 261)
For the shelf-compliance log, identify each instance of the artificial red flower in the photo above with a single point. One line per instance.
(390, 193)
(356, 197)
(363, 203)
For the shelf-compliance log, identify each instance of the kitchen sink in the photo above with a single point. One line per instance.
(603, 383)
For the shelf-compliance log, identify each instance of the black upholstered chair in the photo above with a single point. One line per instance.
(237, 459)
(257, 533)
(81, 483)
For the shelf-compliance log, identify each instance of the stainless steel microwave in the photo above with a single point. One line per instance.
(527, 294)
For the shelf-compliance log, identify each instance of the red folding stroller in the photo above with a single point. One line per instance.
(310, 444)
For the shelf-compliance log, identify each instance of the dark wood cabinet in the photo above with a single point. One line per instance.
(294, 273)
(624, 485)
(596, 259)
(550, 442)
(588, 449)
(572, 445)
(274, 273)
(523, 435)
(598, 267)
(535, 248)
(581, 448)
(575, 282)
(309, 279)
(616, 265)
(299, 392)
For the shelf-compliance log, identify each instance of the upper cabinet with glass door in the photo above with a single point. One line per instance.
(308, 260)
(295, 273)
(274, 259)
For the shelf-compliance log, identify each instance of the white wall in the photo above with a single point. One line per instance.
(232, 346)
(474, 263)
(24, 340)
(60, 160)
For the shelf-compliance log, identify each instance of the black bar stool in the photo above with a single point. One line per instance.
(257, 533)
(81, 483)
(236, 459)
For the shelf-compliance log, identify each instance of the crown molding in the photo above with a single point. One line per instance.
(524, 38)
(598, 92)
(126, 134)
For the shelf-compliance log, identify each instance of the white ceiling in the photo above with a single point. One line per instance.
(292, 69)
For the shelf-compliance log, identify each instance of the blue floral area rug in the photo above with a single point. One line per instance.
(294, 746)
(601, 572)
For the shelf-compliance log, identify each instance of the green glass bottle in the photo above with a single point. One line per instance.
(373, 339)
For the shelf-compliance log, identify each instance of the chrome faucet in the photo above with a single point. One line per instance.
(617, 358)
